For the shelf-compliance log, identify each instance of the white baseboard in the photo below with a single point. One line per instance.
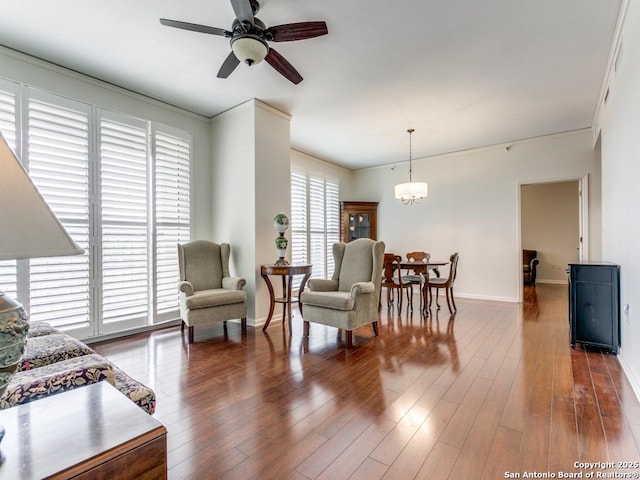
(472, 296)
(630, 374)
(556, 282)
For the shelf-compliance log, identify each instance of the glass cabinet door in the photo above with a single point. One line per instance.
(358, 220)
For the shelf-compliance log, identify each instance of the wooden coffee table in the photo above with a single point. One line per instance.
(88, 432)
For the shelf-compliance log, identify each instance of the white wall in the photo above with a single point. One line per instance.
(550, 225)
(620, 139)
(250, 183)
(473, 206)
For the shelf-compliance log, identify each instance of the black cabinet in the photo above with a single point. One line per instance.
(594, 305)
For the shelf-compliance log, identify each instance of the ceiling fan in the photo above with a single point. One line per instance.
(249, 37)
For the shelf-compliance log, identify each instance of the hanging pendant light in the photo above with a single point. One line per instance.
(412, 192)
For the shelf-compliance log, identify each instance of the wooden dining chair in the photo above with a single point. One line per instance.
(392, 281)
(416, 277)
(443, 283)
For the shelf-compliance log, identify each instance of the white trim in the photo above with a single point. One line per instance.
(38, 62)
(629, 373)
(551, 281)
(495, 146)
(609, 75)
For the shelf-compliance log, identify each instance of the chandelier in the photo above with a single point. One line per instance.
(411, 192)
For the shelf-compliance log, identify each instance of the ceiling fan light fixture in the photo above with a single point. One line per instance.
(249, 49)
(411, 192)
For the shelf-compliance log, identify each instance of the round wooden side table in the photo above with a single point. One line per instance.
(287, 273)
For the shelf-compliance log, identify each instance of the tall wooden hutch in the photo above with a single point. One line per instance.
(359, 220)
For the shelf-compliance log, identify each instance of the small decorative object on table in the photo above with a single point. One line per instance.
(281, 224)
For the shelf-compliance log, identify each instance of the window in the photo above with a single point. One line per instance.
(120, 186)
(57, 139)
(315, 221)
(8, 272)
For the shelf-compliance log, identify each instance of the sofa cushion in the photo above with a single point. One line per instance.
(36, 383)
(214, 298)
(138, 393)
(48, 349)
(38, 329)
(334, 300)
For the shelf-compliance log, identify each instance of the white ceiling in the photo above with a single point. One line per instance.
(463, 73)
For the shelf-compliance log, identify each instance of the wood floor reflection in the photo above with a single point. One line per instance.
(495, 389)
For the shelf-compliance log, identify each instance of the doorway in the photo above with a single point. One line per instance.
(553, 222)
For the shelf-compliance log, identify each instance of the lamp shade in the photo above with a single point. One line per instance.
(249, 49)
(411, 191)
(28, 227)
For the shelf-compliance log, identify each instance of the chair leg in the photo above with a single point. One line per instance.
(411, 297)
(243, 322)
(446, 290)
(305, 328)
(182, 325)
(349, 338)
(191, 335)
(455, 308)
(375, 327)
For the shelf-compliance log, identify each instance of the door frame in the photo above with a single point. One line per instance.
(583, 221)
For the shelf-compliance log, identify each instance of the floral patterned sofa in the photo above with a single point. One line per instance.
(54, 362)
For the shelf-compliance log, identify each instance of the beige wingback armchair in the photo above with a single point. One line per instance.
(208, 295)
(350, 298)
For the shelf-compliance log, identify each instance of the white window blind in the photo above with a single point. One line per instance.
(121, 188)
(332, 216)
(172, 213)
(317, 243)
(315, 219)
(8, 273)
(298, 220)
(124, 218)
(58, 163)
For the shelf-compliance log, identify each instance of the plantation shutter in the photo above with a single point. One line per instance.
(315, 222)
(124, 195)
(332, 215)
(298, 220)
(8, 273)
(317, 245)
(58, 163)
(173, 216)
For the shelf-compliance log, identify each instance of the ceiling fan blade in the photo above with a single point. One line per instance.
(296, 31)
(283, 67)
(195, 27)
(228, 66)
(243, 10)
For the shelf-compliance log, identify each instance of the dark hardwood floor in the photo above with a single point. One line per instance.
(492, 392)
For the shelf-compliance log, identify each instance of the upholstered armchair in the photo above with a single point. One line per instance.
(529, 265)
(350, 298)
(208, 294)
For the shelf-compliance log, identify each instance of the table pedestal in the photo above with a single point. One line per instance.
(286, 272)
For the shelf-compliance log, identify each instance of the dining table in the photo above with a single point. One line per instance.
(420, 268)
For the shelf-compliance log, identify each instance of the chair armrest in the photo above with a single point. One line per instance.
(322, 285)
(186, 287)
(533, 263)
(233, 283)
(362, 287)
